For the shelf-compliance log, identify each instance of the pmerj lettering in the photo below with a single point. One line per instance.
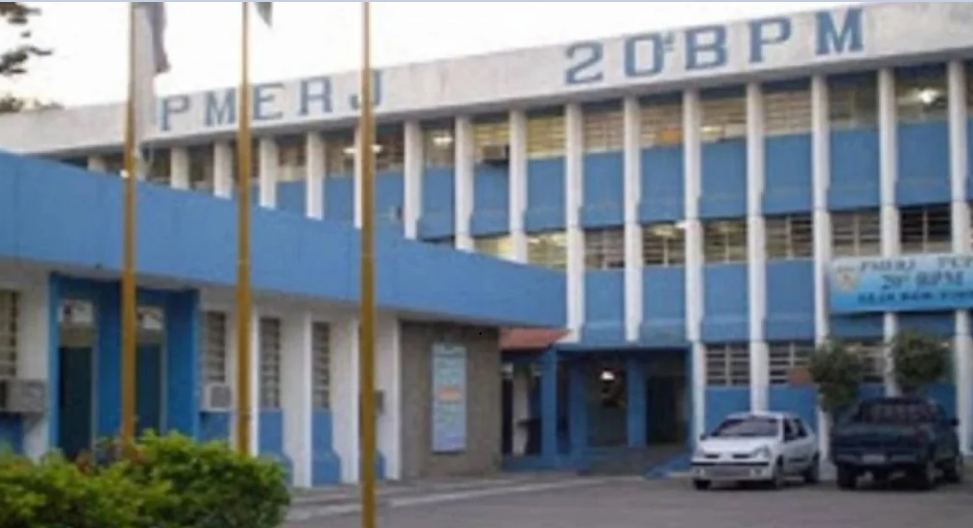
(646, 55)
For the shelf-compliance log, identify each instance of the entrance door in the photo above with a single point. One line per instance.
(148, 392)
(75, 405)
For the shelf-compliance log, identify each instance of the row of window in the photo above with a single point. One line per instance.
(729, 365)
(9, 316)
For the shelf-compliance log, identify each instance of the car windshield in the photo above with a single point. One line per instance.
(895, 412)
(748, 427)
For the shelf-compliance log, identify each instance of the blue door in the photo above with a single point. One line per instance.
(75, 405)
(148, 392)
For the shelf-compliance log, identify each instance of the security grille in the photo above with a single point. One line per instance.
(291, 157)
(321, 368)
(214, 348)
(9, 317)
(923, 97)
(604, 249)
(789, 237)
(856, 233)
(872, 354)
(545, 136)
(787, 112)
(114, 163)
(202, 167)
(548, 250)
(270, 345)
(603, 130)
(854, 104)
(785, 357)
(663, 245)
(725, 241)
(254, 161)
(926, 229)
(340, 155)
(728, 365)
(723, 118)
(438, 146)
(159, 166)
(661, 124)
(390, 151)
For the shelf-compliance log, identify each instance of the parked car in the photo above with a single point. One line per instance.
(884, 437)
(764, 448)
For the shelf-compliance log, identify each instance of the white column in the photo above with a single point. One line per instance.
(521, 409)
(573, 200)
(97, 164)
(959, 167)
(463, 186)
(389, 382)
(632, 132)
(344, 366)
(179, 162)
(821, 180)
(316, 166)
(223, 170)
(757, 260)
(231, 363)
(518, 184)
(34, 335)
(692, 151)
(414, 169)
(296, 394)
(269, 169)
(359, 177)
(889, 169)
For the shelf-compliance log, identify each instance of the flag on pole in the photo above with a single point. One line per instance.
(151, 60)
(266, 12)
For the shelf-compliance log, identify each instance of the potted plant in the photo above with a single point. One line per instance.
(919, 360)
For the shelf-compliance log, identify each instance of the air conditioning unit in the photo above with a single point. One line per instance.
(217, 397)
(495, 154)
(23, 397)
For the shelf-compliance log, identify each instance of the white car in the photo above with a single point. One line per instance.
(765, 448)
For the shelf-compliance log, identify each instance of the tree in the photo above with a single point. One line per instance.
(919, 360)
(17, 15)
(838, 372)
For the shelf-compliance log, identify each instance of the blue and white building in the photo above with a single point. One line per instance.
(698, 208)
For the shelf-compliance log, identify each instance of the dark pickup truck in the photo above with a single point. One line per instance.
(883, 437)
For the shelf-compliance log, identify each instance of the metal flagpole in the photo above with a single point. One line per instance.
(244, 319)
(128, 259)
(367, 344)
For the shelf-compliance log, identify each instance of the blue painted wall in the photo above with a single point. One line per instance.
(438, 204)
(292, 197)
(604, 307)
(854, 169)
(11, 434)
(339, 199)
(214, 427)
(491, 201)
(788, 174)
(726, 304)
(545, 195)
(857, 327)
(270, 440)
(325, 463)
(389, 202)
(923, 164)
(790, 301)
(604, 190)
(664, 307)
(663, 187)
(723, 401)
(802, 401)
(724, 179)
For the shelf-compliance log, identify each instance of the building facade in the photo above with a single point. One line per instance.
(698, 188)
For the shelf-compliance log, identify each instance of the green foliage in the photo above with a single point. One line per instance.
(838, 372)
(919, 360)
(161, 482)
(14, 61)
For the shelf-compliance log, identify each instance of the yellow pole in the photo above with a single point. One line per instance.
(367, 358)
(128, 243)
(244, 367)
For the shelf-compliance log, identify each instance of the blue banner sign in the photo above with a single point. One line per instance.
(448, 399)
(921, 283)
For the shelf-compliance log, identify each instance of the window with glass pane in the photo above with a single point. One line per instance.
(872, 354)
(495, 246)
(159, 163)
(663, 245)
(202, 167)
(723, 118)
(438, 146)
(545, 136)
(340, 155)
(921, 95)
(291, 157)
(603, 130)
(853, 103)
(725, 241)
(926, 229)
(728, 365)
(785, 358)
(787, 112)
(789, 237)
(9, 317)
(604, 249)
(548, 250)
(321, 368)
(270, 343)
(214, 347)
(856, 233)
(254, 161)
(661, 123)
(390, 149)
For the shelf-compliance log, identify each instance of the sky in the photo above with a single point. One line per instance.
(89, 39)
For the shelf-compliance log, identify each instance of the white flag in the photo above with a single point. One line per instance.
(266, 12)
(151, 60)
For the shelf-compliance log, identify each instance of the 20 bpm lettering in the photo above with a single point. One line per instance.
(708, 47)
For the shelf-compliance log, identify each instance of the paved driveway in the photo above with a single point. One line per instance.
(672, 504)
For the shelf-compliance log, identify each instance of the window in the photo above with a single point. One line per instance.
(872, 354)
(214, 348)
(202, 167)
(789, 237)
(725, 241)
(663, 245)
(853, 102)
(661, 124)
(787, 112)
(604, 249)
(438, 146)
(723, 118)
(921, 95)
(545, 136)
(114, 163)
(254, 161)
(728, 366)
(9, 317)
(926, 229)
(547, 250)
(340, 155)
(291, 158)
(786, 357)
(270, 343)
(390, 151)
(856, 233)
(496, 246)
(321, 366)
(603, 130)
(158, 165)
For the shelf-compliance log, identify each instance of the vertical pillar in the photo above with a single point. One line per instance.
(521, 409)
(821, 178)
(316, 167)
(692, 152)
(549, 410)
(889, 169)
(256, 365)
(182, 365)
(414, 168)
(518, 185)
(637, 405)
(180, 168)
(757, 261)
(463, 186)
(358, 176)
(269, 170)
(223, 176)
(34, 361)
(345, 392)
(578, 384)
(296, 394)
(634, 284)
(389, 382)
(573, 200)
(959, 168)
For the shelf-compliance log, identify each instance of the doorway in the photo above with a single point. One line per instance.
(150, 371)
(607, 405)
(667, 413)
(76, 367)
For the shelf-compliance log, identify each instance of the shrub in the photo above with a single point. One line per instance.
(838, 372)
(919, 360)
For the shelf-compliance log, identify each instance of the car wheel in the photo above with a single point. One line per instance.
(847, 478)
(702, 485)
(812, 475)
(924, 477)
(954, 472)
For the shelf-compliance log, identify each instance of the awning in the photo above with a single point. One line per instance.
(530, 338)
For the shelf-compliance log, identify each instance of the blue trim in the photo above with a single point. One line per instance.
(635, 380)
